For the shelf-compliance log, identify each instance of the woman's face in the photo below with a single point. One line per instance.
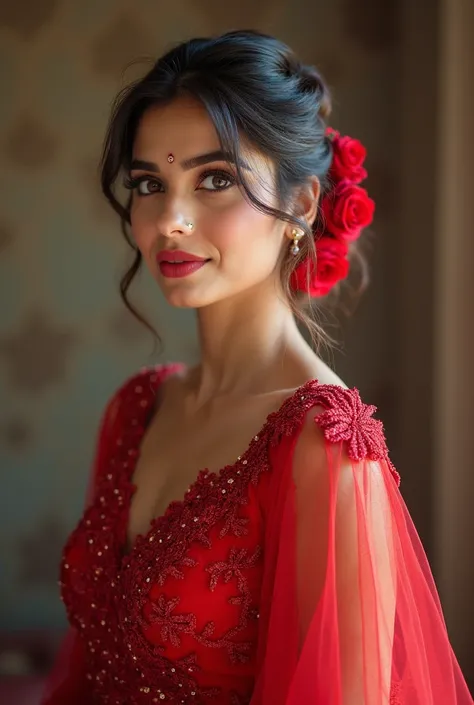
(240, 247)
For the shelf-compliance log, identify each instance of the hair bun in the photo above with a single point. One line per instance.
(311, 80)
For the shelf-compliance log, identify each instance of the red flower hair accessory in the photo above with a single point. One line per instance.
(346, 209)
(331, 266)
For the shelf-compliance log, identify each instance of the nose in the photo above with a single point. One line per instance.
(175, 221)
(177, 227)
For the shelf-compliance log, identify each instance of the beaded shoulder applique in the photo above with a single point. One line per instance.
(344, 418)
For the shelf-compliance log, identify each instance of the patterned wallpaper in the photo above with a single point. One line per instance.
(66, 342)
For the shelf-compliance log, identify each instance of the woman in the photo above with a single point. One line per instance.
(288, 571)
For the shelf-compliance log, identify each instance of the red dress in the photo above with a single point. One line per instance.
(292, 577)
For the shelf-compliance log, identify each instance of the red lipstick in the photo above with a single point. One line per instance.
(177, 263)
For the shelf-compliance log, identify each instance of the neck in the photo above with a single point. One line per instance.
(249, 345)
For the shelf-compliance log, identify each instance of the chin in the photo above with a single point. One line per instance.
(185, 299)
(180, 302)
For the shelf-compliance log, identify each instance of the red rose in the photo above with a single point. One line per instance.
(331, 267)
(346, 210)
(348, 159)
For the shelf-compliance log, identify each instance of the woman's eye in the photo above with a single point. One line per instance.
(143, 185)
(146, 187)
(217, 182)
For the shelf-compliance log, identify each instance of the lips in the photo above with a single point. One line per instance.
(174, 264)
(178, 256)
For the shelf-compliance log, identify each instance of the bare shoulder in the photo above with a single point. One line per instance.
(325, 379)
(325, 375)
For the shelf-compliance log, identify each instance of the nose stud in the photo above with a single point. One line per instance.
(190, 226)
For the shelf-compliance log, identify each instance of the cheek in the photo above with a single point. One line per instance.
(142, 227)
(235, 228)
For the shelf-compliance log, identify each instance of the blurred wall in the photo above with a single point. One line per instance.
(66, 341)
(454, 338)
(434, 318)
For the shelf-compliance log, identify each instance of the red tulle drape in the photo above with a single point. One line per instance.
(349, 613)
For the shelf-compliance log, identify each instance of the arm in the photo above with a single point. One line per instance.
(346, 578)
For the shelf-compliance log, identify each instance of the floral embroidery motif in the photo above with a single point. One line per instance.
(347, 418)
(238, 561)
(235, 525)
(174, 572)
(171, 625)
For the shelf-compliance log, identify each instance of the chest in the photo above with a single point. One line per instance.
(174, 451)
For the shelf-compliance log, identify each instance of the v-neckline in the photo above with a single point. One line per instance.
(132, 447)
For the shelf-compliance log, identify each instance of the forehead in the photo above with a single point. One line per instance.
(182, 126)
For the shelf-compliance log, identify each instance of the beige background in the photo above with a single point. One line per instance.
(65, 340)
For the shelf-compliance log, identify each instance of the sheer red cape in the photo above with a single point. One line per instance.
(349, 613)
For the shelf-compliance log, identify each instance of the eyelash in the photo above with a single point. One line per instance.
(131, 183)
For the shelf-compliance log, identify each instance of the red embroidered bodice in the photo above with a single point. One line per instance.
(176, 619)
(207, 607)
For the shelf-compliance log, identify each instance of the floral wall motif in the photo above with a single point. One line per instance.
(65, 341)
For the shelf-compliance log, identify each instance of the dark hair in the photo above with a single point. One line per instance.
(252, 86)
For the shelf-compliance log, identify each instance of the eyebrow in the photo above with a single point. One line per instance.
(192, 163)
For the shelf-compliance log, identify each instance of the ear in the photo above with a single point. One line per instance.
(307, 199)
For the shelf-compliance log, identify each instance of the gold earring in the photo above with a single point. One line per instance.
(296, 235)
